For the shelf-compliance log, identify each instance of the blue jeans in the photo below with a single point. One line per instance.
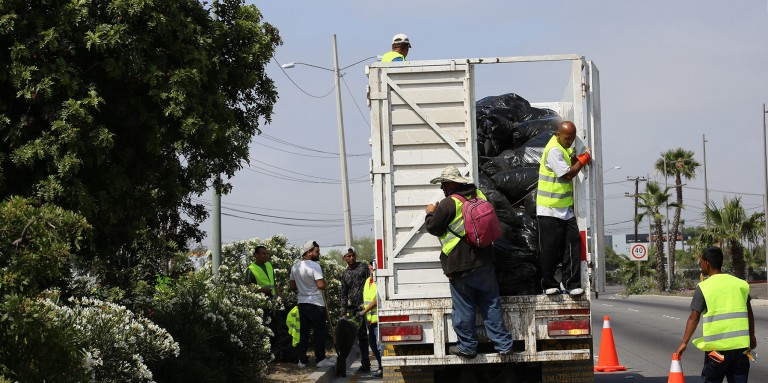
(373, 341)
(735, 367)
(477, 290)
(312, 317)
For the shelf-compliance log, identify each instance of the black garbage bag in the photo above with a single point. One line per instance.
(490, 166)
(346, 334)
(282, 346)
(540, 113)
(515, 269)
(524, 235)
(496, 132)
(524, 131)
(516, 183)
(501, 205)
(529, 203)
(485, 183)
(510, 106)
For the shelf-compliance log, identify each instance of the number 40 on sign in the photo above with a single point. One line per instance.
(639, 252)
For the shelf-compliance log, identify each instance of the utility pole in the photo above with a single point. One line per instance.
(216, 232)
(637, 191)
(706, 190)
(765, 211)
(342, 150)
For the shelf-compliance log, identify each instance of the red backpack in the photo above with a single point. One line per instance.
(481, 226)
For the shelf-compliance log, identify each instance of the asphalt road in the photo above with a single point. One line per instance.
(648, 329)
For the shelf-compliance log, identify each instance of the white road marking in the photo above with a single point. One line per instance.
(633, 310)
(667, 316)
(607, 305)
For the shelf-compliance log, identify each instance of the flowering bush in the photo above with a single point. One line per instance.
(219, 324)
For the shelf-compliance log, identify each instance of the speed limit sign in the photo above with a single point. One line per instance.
(639, 252)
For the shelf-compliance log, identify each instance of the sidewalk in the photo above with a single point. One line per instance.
(291, 373)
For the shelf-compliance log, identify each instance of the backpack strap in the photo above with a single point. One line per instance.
(463, 200)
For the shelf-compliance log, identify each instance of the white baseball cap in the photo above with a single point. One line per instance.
(401, 38)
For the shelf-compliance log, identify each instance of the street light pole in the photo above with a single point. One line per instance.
(670, 252)
(765, 207)
(342, 150)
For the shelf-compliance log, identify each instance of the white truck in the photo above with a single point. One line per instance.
(422, 119)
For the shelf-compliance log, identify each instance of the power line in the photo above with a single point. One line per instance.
(297, 85)
(299, 154)
(198, 200)
(355, 102)
(726, 191)
(314, 150)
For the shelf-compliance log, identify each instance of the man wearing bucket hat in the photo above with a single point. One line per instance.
(469, 269)
(400, 46)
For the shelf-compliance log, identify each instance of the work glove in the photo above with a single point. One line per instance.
(359, 314)
(584, 158)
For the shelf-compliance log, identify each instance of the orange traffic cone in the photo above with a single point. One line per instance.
(676, 371)
(608, 361)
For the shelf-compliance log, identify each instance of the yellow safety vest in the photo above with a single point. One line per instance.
(369, 294)
(449, 239)
(726, 322)
(391, 55)
(264, 280)
(554, 191)
(294, 325)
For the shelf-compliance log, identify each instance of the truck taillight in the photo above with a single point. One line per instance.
(393, 318)
(568, 327)
(401, 333)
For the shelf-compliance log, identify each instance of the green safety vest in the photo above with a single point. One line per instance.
(554, 191)
(726, 322)
(449, 239)
(391, 55)
(369, 294)
(264, 280)
(294, 325)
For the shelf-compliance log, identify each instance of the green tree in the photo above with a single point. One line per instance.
(122, 110)
(678, 163)
(729, 227)
(652, 200)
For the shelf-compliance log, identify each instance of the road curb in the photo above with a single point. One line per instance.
(328, 374)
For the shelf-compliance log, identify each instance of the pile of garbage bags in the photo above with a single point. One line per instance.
(511, 136)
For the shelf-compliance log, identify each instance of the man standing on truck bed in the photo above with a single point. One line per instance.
(729, 324)
(400, 46)
(559, 238)
(469, 269)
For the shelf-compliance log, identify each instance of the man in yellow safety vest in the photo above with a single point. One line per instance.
(729, 325)
(400, 46)
(261, 272)
(370, 313)
(559, 237)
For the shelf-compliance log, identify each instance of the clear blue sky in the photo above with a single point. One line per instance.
(670, 72)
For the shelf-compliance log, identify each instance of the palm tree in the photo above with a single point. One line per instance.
(652, 201)
(680, 164)
(729, 227)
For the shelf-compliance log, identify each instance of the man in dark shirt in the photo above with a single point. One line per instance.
(352, 282)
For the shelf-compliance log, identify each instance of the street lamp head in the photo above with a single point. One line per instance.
(288, 65)
(615, 167)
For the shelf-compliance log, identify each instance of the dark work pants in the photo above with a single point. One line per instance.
(312, 317)
(373, 341)
(362, 341)
(735, 367)
(559, 241)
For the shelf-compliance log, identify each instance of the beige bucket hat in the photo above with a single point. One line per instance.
(450, 174)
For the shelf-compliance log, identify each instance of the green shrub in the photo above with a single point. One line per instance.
(37, 344)
(218, 324)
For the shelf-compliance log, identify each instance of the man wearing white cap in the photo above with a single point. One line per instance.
(469, 269)
(307, 279)
(400, 46)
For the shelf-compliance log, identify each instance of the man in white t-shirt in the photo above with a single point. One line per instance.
(559, 237)
(307, 279)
